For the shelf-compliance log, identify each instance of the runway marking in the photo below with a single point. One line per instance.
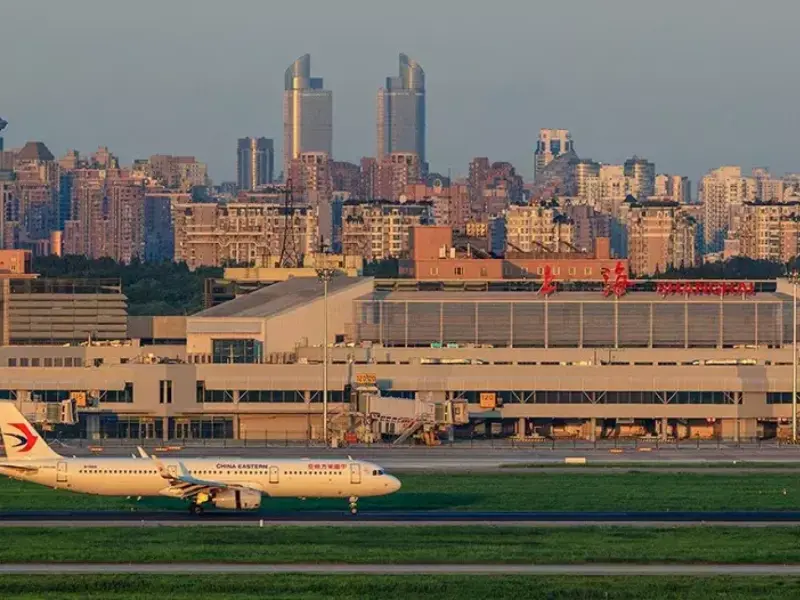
(419, 569)
(668, 519)
(65, 524)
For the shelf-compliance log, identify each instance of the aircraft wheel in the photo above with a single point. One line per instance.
(196, 510)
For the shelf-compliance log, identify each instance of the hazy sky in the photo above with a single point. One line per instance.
(690, 84)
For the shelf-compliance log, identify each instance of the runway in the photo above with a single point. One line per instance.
(423, 569)
(400, 519)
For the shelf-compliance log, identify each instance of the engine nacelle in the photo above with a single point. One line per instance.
(237, 499)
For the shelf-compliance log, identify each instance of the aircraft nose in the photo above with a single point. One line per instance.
(394, 484)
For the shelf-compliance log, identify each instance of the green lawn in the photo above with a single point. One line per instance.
(507, 491)
(401, 545)
(358, 587)
(667, 465)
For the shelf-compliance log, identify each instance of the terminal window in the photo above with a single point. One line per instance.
(237, 351)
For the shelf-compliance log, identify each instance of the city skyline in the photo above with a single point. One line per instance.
(675, 100)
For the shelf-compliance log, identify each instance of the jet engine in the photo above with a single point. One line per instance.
(237, 499)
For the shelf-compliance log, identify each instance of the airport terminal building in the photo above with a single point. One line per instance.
(663, 359)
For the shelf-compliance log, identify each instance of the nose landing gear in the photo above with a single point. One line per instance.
(353, 505)
(196, 509)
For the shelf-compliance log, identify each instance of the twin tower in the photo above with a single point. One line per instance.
(308, 112)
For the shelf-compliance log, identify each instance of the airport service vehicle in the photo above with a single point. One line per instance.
(225, 483)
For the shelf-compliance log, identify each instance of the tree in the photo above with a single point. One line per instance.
(164, 288)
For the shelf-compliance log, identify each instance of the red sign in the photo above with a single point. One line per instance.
(549, 283)
(619, 287)
(706, 288)
(326, 467)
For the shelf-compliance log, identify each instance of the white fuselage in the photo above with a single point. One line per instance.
(277, 478)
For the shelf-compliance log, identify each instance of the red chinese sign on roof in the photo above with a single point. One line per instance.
(706, 288)
(618, 287)
(549, 282)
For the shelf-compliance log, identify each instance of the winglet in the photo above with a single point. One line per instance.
(142, 453)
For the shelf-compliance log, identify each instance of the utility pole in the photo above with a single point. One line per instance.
(325, 274)
(795, 278)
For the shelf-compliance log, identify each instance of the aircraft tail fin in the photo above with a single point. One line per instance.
(22, 441)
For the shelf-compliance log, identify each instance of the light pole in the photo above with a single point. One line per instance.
(795, 278)
(325, 274)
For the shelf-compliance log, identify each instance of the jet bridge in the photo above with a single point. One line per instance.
(374, 416)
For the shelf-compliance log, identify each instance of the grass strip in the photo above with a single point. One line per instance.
(402, 545)
(508, 491)
(358, 587)
(667, 465)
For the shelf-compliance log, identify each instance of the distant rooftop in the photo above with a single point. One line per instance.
(276, 298)
(35, 151)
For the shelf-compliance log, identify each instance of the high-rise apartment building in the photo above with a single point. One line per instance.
(310, 173)
(401, 112)
(722, 192)
(381, 229)
(243, 233)
(180, 173)
(675, 188)
(586, 180)
(614, 188)
(492, 187)
(307, 113)
(159, 232)
(552, 143)
(346, 178)
(125, 202)
(659, 237)
(769, 231)
(255, 162)
(451, 207)
(107, 217)
(7, 202)
(368, 188)
(642, 175)
(396, 171)
(768, 188)
(538, 227)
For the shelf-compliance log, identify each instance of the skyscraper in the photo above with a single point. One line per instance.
(401, 112)
(255, 162)
(552, 143)
(307, 113)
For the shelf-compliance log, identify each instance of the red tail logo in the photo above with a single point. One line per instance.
(27, 440)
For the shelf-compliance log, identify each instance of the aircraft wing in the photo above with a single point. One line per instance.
(183, 485)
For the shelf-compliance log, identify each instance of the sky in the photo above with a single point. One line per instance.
(688, 84)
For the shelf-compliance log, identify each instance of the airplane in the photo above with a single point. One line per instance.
(226, 483)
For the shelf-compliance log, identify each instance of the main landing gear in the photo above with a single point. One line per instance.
(196, 509)
(353, 505)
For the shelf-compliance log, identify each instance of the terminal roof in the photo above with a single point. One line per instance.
(278, 297)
